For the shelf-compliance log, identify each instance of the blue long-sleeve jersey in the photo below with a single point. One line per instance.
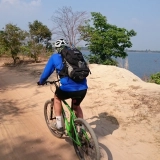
(67, 84)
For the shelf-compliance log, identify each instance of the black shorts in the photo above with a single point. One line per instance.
(76, 96)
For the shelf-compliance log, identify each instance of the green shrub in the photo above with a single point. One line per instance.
(155, 78)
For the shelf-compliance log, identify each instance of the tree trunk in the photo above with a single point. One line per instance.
(14, 59)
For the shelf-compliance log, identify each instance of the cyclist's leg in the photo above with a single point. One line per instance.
(78, 111)
(49, 115)
(77, 101)
(58, 111)
(59, 94)
(57, 106)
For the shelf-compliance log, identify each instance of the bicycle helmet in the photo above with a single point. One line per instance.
(60, 43)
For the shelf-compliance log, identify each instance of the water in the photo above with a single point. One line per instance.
(142, 64)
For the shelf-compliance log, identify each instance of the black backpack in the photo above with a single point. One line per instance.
(74, 64)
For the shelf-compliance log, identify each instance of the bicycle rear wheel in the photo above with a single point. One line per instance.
(50, 117)
(89, 150)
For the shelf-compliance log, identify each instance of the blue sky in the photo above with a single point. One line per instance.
(143, 16)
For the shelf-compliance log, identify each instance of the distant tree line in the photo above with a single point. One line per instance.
(103, 40)
(13, 40)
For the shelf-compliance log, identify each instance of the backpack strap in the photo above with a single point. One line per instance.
(57, 74)
(63, 72)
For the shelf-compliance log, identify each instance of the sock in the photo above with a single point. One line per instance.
(58, 122)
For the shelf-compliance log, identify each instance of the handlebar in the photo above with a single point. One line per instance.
(52, 82)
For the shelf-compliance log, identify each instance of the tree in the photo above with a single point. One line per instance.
(35, 50)
(11, 38)
(67, 23)
(38, 33)
(104, 40)
(2, 50)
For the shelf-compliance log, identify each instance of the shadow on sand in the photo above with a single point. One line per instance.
(103, 125)
(31, 149)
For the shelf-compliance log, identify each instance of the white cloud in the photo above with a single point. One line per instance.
(18, 4)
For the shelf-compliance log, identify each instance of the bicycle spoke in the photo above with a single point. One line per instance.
(89, 149)
(50, 118)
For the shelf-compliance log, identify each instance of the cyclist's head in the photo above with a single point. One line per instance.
(60, 44)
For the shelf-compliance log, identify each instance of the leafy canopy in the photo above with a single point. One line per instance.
(11, 38)
(105, 40)
(38, 31)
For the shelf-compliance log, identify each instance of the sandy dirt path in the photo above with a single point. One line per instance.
(118, 107)
(23, 132)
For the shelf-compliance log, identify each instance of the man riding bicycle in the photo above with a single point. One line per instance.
(68, 88)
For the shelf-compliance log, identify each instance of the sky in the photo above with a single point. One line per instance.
(143, 16)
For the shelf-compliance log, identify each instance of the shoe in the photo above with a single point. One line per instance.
(54, 127)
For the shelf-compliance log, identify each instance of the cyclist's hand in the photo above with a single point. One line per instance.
(40, 84)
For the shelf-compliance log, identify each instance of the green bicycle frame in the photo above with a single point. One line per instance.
(70, 127)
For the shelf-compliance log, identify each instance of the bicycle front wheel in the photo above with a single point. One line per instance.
(50, 117)
(89, 149)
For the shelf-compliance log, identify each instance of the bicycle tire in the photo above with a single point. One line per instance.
(83, 152)
(47, 112)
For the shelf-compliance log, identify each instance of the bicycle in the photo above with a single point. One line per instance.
(82, 135)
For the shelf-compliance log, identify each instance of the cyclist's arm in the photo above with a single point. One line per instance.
(48, 70)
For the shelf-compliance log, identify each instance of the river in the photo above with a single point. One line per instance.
(142, 64)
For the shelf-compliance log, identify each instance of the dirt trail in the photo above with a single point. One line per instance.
(23, 132)
(125, 130)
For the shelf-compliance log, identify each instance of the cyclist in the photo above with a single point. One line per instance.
(68, 88)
